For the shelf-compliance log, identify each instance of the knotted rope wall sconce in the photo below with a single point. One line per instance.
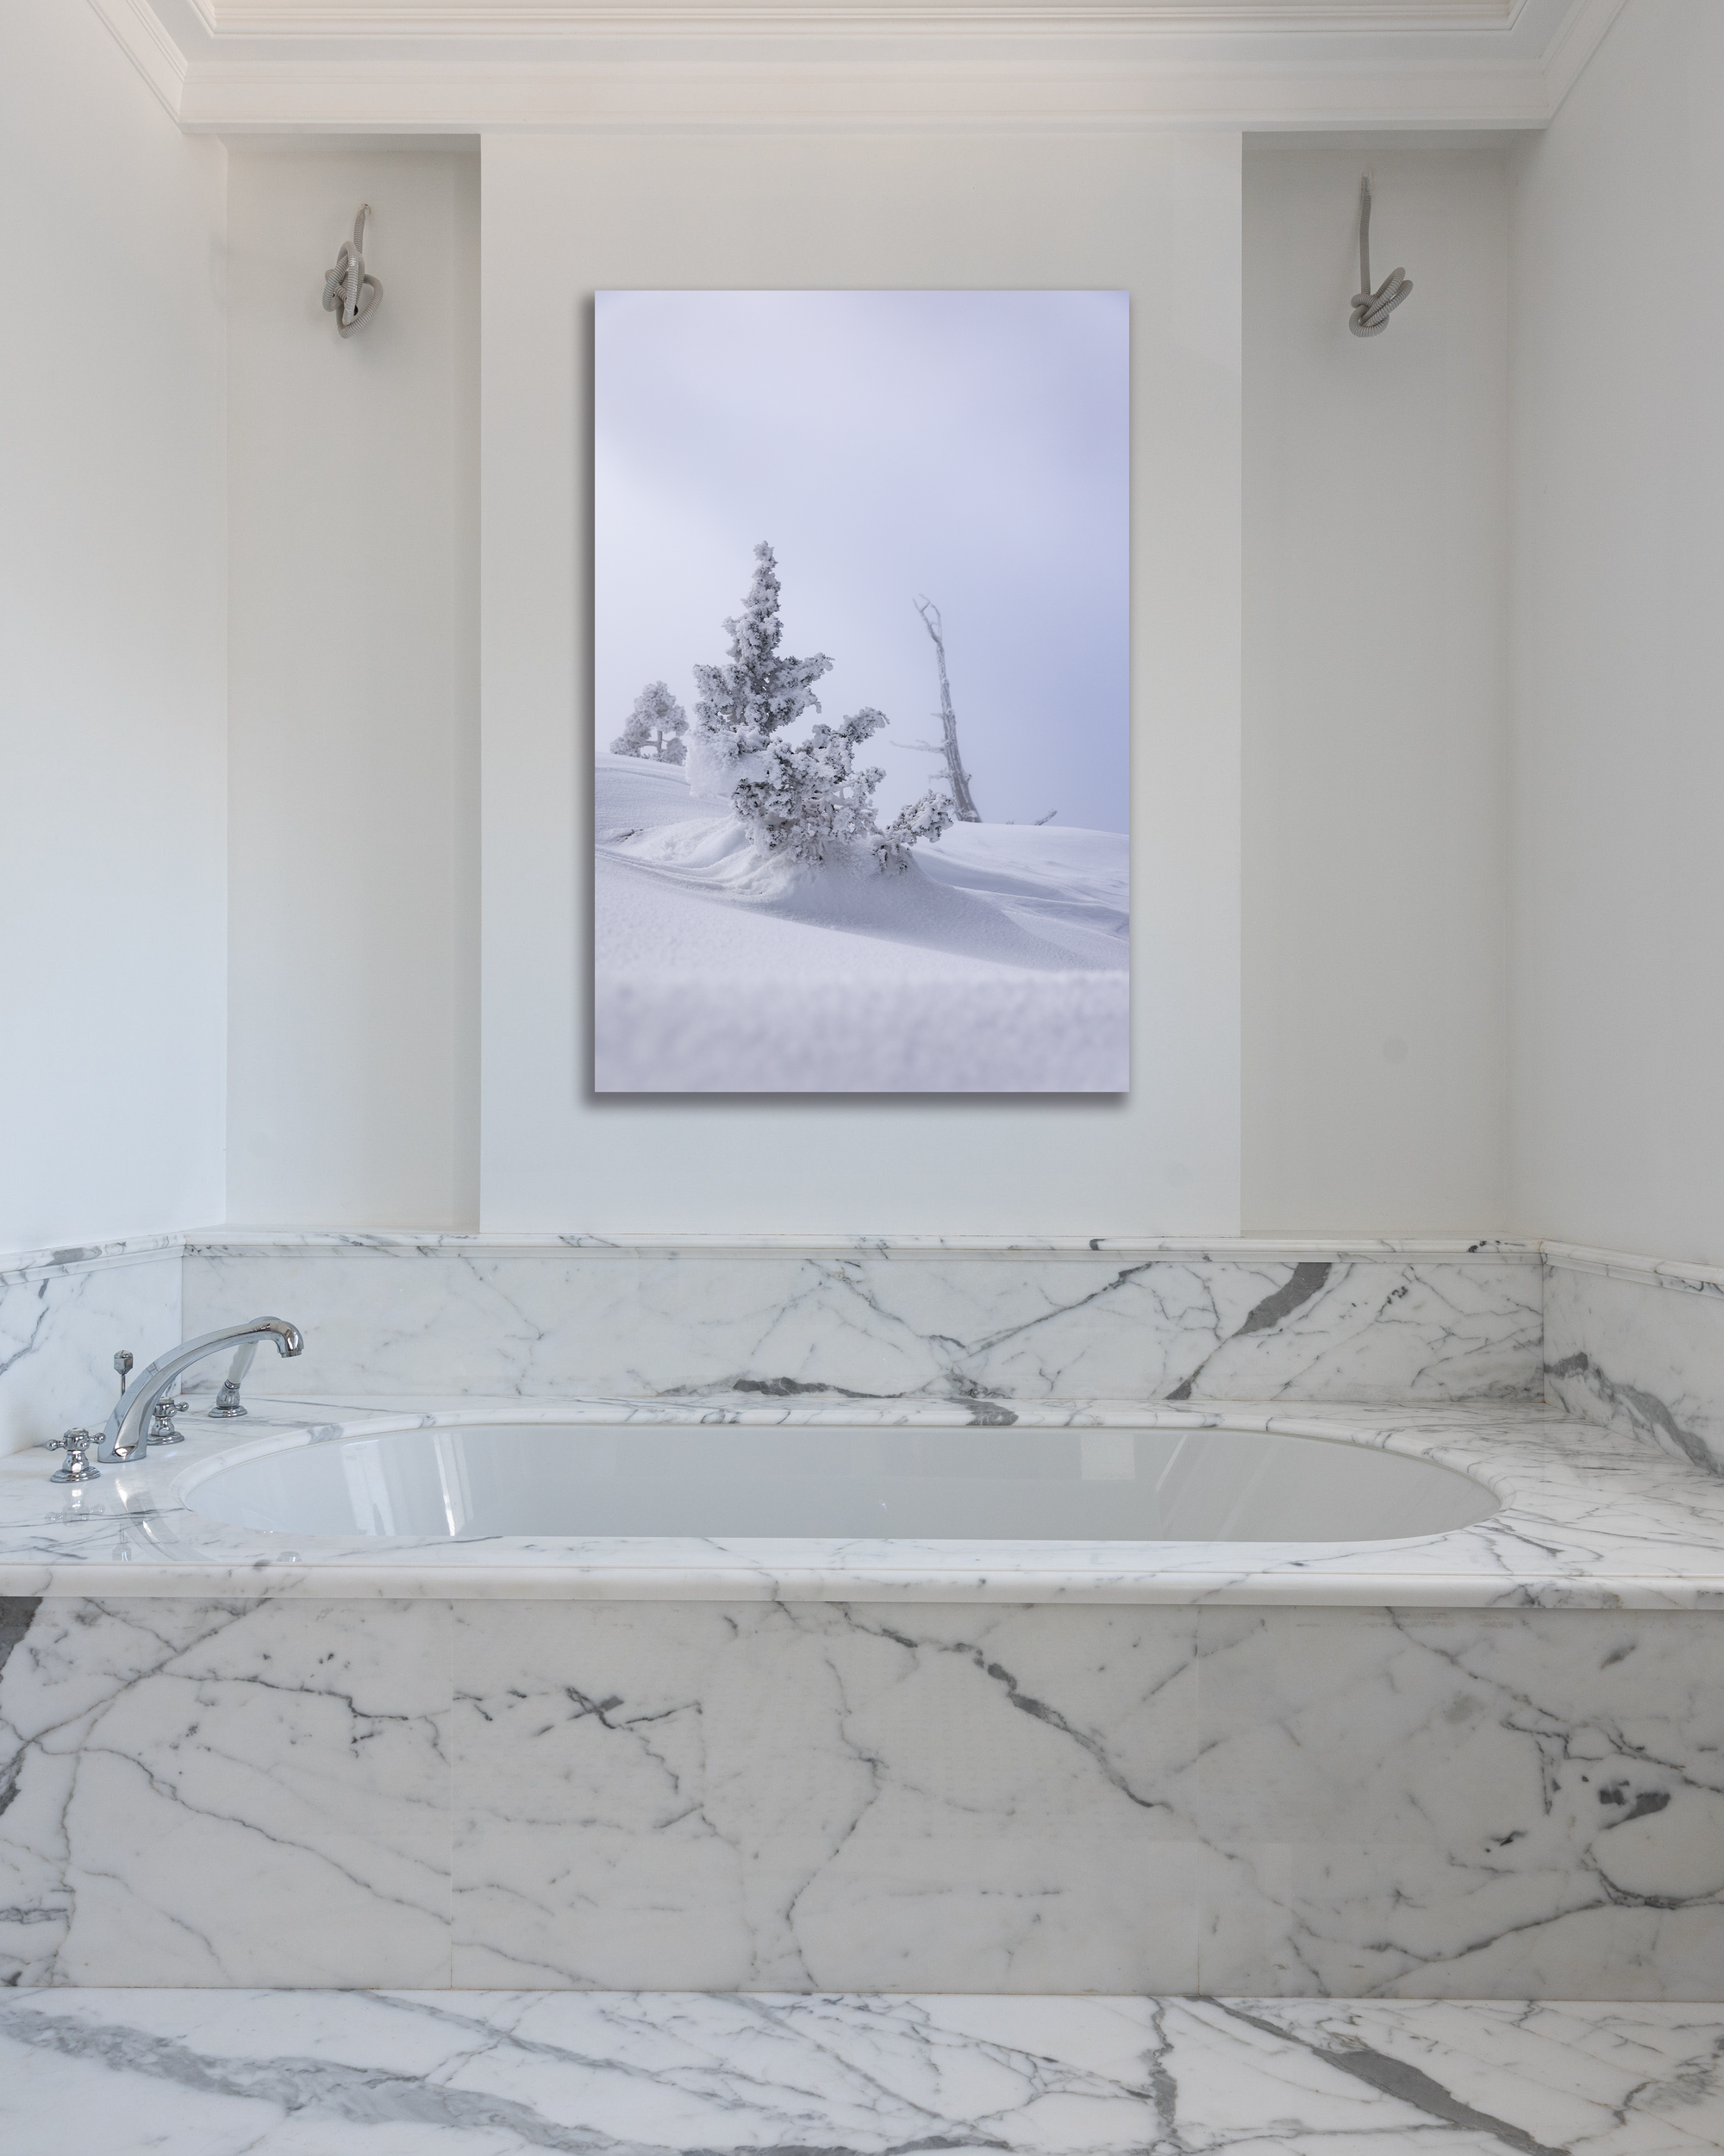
(350, 293)
(1371, 309)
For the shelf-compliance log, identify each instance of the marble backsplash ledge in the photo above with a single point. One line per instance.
(877, 1316)
(1638, 1346)
(63, 1312)
(1627, 1342)
(379, 1242)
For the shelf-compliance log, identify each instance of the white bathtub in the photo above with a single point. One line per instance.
(995, 1484)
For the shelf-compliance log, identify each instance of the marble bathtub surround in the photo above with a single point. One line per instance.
(245, 2073)
(1489, 1763)
(1638, 1347)
(1508, 1803)
(885, 1317)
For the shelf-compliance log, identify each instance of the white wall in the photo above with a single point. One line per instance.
(1375, 1080)
(1619, 570)
(564, 217)
(1376, 847)
(112, 381)
(353, 891)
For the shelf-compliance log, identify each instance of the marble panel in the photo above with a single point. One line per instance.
(1639, 1350)
(804, 1797)
(322, 2073)
(208, 1793)
(1498, 1804)
(62, 1316)
(1483, 1804)
(824, 1796)
(443, 1317)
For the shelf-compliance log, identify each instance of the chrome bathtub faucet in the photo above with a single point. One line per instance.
(136, 1417)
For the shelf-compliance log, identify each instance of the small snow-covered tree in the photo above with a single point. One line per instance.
(923, 819)
(810, 792)
(744, 703)
(810, 795)
(655, 727)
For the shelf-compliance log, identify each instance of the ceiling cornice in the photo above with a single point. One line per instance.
(368, 19)
(309, 66)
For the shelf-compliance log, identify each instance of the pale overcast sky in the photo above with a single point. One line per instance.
(971, 447)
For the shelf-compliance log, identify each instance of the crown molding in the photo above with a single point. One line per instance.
(147, 44)
(381, 19)
(1575, 43)
(412, 67)
(725, 96)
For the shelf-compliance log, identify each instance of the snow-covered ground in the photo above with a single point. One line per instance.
(996, 962)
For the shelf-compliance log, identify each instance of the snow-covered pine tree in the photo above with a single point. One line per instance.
(810, 795)
(744, 703)
(655, 727)
(922, 819)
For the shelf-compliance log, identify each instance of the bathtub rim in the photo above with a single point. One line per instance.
(1591, 1518)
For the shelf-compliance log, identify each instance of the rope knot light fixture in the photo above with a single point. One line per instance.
(1371, 309)
(350, 293)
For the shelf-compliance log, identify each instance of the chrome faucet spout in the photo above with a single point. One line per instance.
(126, 1435)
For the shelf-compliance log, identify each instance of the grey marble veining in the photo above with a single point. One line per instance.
(1344, 1803)
(62, 1316)
(1639, 1348)
(402, 2073)
(880, 1319)
(1465, 1805)
(223, 1794)
(855, 1799)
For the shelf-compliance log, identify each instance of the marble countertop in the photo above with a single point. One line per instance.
(1588, 1519)
(273, 2074)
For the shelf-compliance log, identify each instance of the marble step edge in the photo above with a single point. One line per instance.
(18, 1267)
(1651, 1272)
(277, 1242)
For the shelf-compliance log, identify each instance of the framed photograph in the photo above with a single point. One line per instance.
(861, 677)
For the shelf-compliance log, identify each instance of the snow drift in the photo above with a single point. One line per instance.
(994, 962)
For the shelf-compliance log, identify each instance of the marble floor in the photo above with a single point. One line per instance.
(489, 2074)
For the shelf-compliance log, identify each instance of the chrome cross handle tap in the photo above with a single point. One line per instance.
(162, 1431)
(75, 1445)
(126, 1435)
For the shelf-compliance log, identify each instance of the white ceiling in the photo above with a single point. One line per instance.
(423, 67)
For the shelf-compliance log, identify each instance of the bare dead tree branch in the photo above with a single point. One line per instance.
(956, 777)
